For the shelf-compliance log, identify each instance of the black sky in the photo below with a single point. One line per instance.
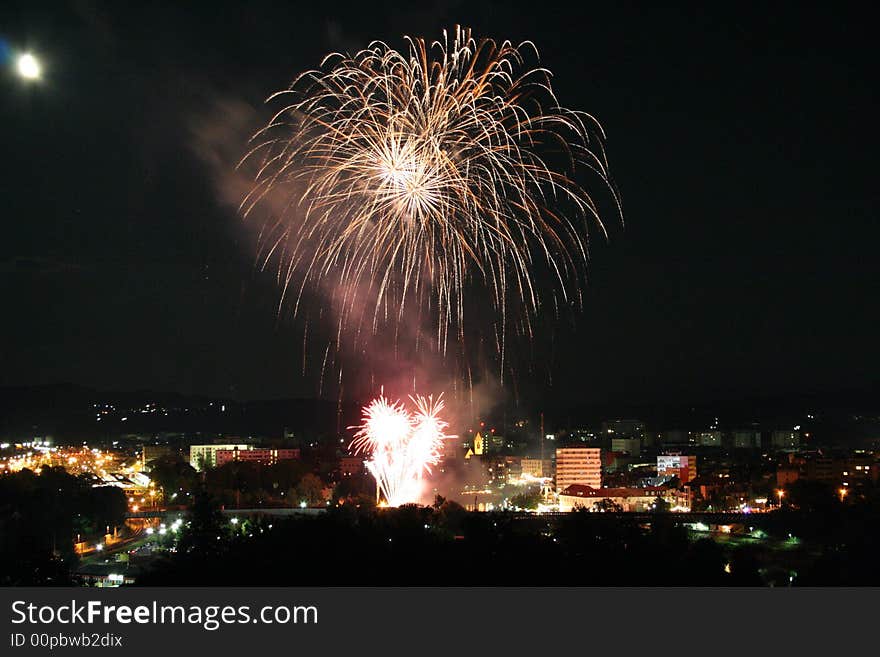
(743, 140)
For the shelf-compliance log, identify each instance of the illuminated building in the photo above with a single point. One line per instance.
(502, 469)
(351, 466)
(683, 467)
(134, 485)
(858, 469)
(578, 465)
(107, 575)
(627, 499)
(205, 456)
(495, 442)
(537, 468)
(261, 455)
(854, 470)
(478, 444)
(153, 452)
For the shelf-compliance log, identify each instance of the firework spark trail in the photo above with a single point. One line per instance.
(401, 446)
(412, 176)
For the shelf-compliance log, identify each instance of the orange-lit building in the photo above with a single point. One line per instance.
(350, 466)
(578, 465)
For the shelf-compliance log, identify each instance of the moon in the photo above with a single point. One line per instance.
(28, 66)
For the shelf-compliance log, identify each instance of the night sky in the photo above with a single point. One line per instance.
(743, 142)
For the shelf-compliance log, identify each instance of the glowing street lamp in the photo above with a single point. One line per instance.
(842, 492)
(780, 494)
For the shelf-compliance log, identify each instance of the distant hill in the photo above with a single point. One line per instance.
(70, 412)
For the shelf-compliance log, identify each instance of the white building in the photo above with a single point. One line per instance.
(205, 456)
(683, 467)
(578, 465)
(625, 499)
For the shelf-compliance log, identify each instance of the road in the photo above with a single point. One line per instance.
(138, 537)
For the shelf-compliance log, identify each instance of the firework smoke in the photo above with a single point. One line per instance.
(401, 446)
(411, 180)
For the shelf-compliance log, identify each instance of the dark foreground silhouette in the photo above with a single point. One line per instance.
(446, 545)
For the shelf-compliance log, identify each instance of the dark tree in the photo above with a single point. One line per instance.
(173, 475)
(207, 529)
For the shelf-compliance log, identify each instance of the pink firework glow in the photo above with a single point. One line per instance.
(401, 445)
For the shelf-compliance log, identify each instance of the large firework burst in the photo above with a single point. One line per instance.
(409, 179)
(401, 446)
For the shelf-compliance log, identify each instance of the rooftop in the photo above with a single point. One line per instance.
(578, 490)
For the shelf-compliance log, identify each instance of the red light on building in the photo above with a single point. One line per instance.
(261, 455)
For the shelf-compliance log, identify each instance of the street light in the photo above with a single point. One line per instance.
(842, 492)
(780, 494)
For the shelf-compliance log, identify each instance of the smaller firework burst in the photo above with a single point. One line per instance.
(401, 445)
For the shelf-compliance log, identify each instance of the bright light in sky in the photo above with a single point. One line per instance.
(28, 66)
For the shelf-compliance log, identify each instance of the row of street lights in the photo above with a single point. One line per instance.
(842, 492)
